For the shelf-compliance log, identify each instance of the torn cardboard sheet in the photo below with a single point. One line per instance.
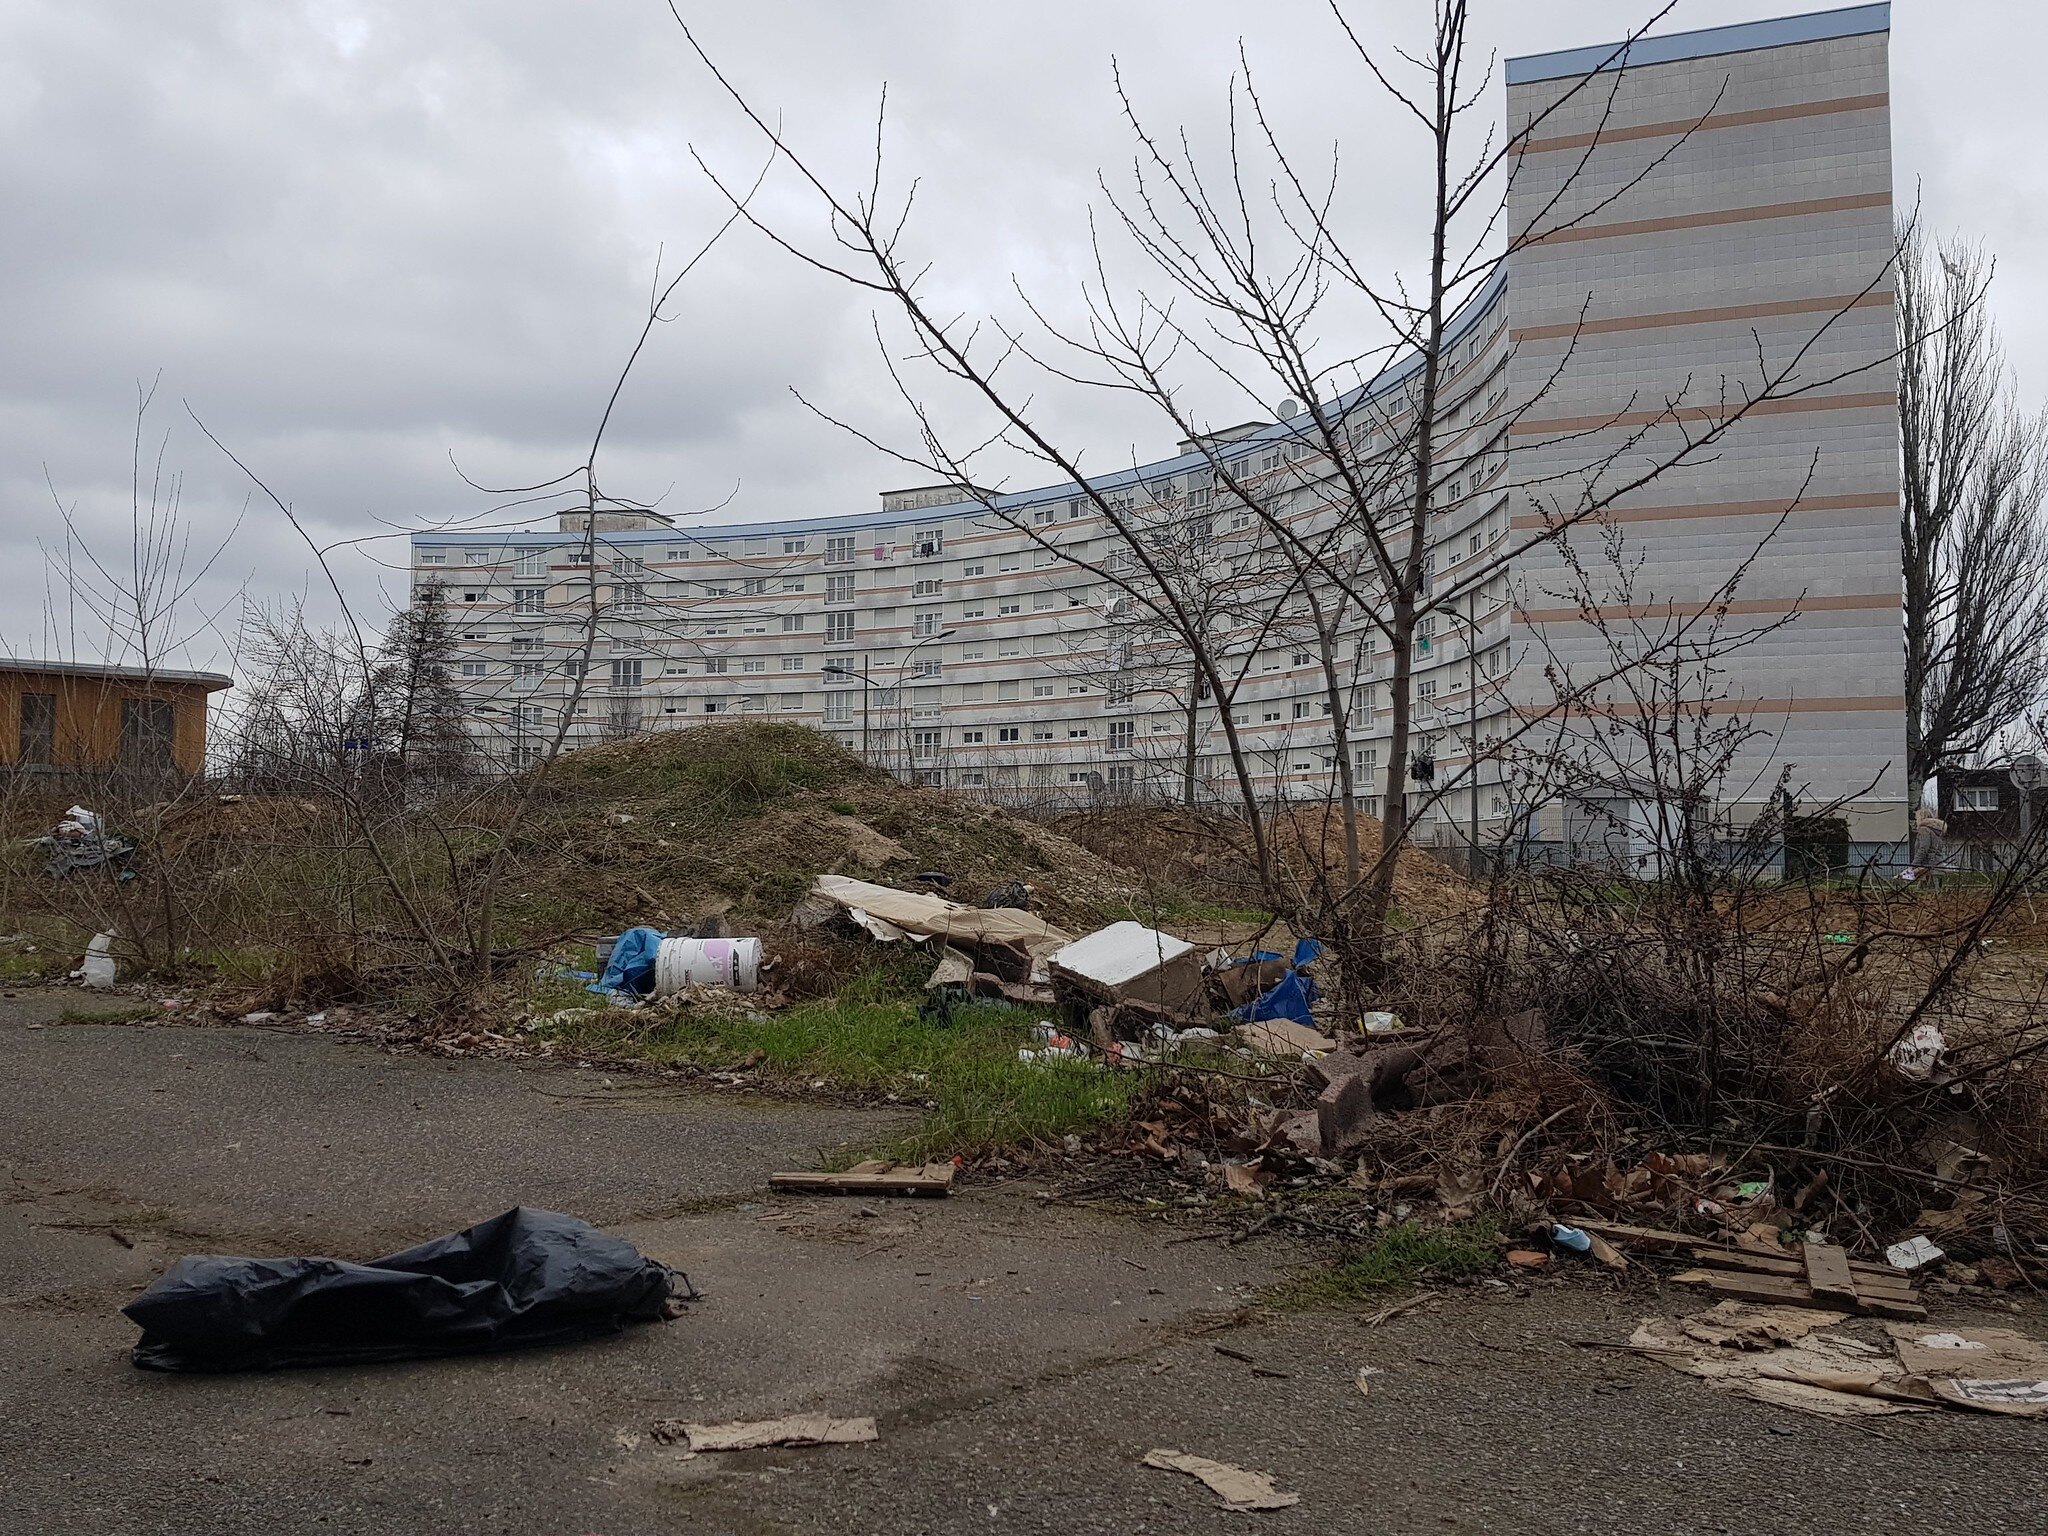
(1993, 1370)
(1782, 1355)
(796, 1429)
(1237, 1488)
(891, 914)
(1283, 1037)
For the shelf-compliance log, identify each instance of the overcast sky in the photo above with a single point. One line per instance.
(367, 240)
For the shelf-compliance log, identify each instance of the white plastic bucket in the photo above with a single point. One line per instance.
(680, 963)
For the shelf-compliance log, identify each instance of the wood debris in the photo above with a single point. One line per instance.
(873, 1177)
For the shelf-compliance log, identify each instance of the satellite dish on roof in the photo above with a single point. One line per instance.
(1289, 408)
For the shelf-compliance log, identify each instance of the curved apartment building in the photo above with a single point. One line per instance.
(1720, 205)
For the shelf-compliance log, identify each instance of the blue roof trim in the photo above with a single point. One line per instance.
(1857, 21)
(1391, 377)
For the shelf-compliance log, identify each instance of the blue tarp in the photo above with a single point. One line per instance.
(1290, 996)
(631, 967)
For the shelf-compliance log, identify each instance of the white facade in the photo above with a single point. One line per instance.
(982, 644)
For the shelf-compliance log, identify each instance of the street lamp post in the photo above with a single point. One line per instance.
(834, 670)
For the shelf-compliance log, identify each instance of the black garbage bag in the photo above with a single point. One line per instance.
(521, 1278)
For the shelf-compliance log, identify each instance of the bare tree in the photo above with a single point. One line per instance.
(1250, 265)
(1974, 521)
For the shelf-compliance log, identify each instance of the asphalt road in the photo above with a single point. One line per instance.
(1021, 1359)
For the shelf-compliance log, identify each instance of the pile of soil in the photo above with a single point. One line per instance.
(737, 819)
(1208, 855)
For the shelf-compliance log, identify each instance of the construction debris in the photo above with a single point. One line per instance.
(1236, 1487)
(892, 916)
(1130, 963)
(1822, 1276)
(1781, 1355)
(755, 1435)
(873, 1177)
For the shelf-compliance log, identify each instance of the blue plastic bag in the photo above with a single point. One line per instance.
(631, 967)
(1290, 996)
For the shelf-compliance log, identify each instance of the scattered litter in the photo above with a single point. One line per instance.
(873, 1177)
(1292, 996)
(1527, 1258)
(1284, 1037)
(1781, 1355)
(81, 841)
(1128, 962)
(797, 1429)
(680, 964)
(892, 915)
(98, 969)
(1822, 1275)
(1571, 1238)
(1379, 1023)
(1237, 1488)
(1919, 1054)
(1914, 1253)
(525, 1277)
(260, 1016)
(1365, 1375)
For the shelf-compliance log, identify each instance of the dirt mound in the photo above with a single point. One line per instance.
(739, 818)
(1208, 856)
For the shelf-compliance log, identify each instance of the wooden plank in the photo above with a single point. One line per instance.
(1865, 1275)
(1780, 1290)
(1827, 1275)
(1654, 1239)
(932, 1179)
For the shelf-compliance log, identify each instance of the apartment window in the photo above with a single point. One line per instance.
(789, 703)
(839, 708)
(838, 589)
(924, 625)
(472, 597)
(1120, 689)
(1269, 717)
(1122, 734)
(1043, 557)
(1077, 732)
(476, 669)
(1041, 690)
(720, 628)
(973, 610)
(1013, 607)
(792, 663)
(1077, 687)
(974, 568)
(628, 597)
(433, 559)
(715, 663)
(1122, 776)
(38, 732)
(476, 557)
(529, 599)
(1010, 562)
(1977, 797)
(838, 628)
(675, 669)
(792, 583)
(1006, 692)
(1007, 733)
(754, 586)
(793, 546)
(1074, 509)
(924, 745)
(1041, 733)
(839, 551)
(928, 542)
(973, 738)
(1299, 659)
(626, 673)
(1041, 601)
(1301, 709)
(529, 671)
(754, 664)
(925, 666)
(928, 588)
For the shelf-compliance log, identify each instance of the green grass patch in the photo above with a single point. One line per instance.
(979, 1097)
(113, 1013)
(1403, 1255)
